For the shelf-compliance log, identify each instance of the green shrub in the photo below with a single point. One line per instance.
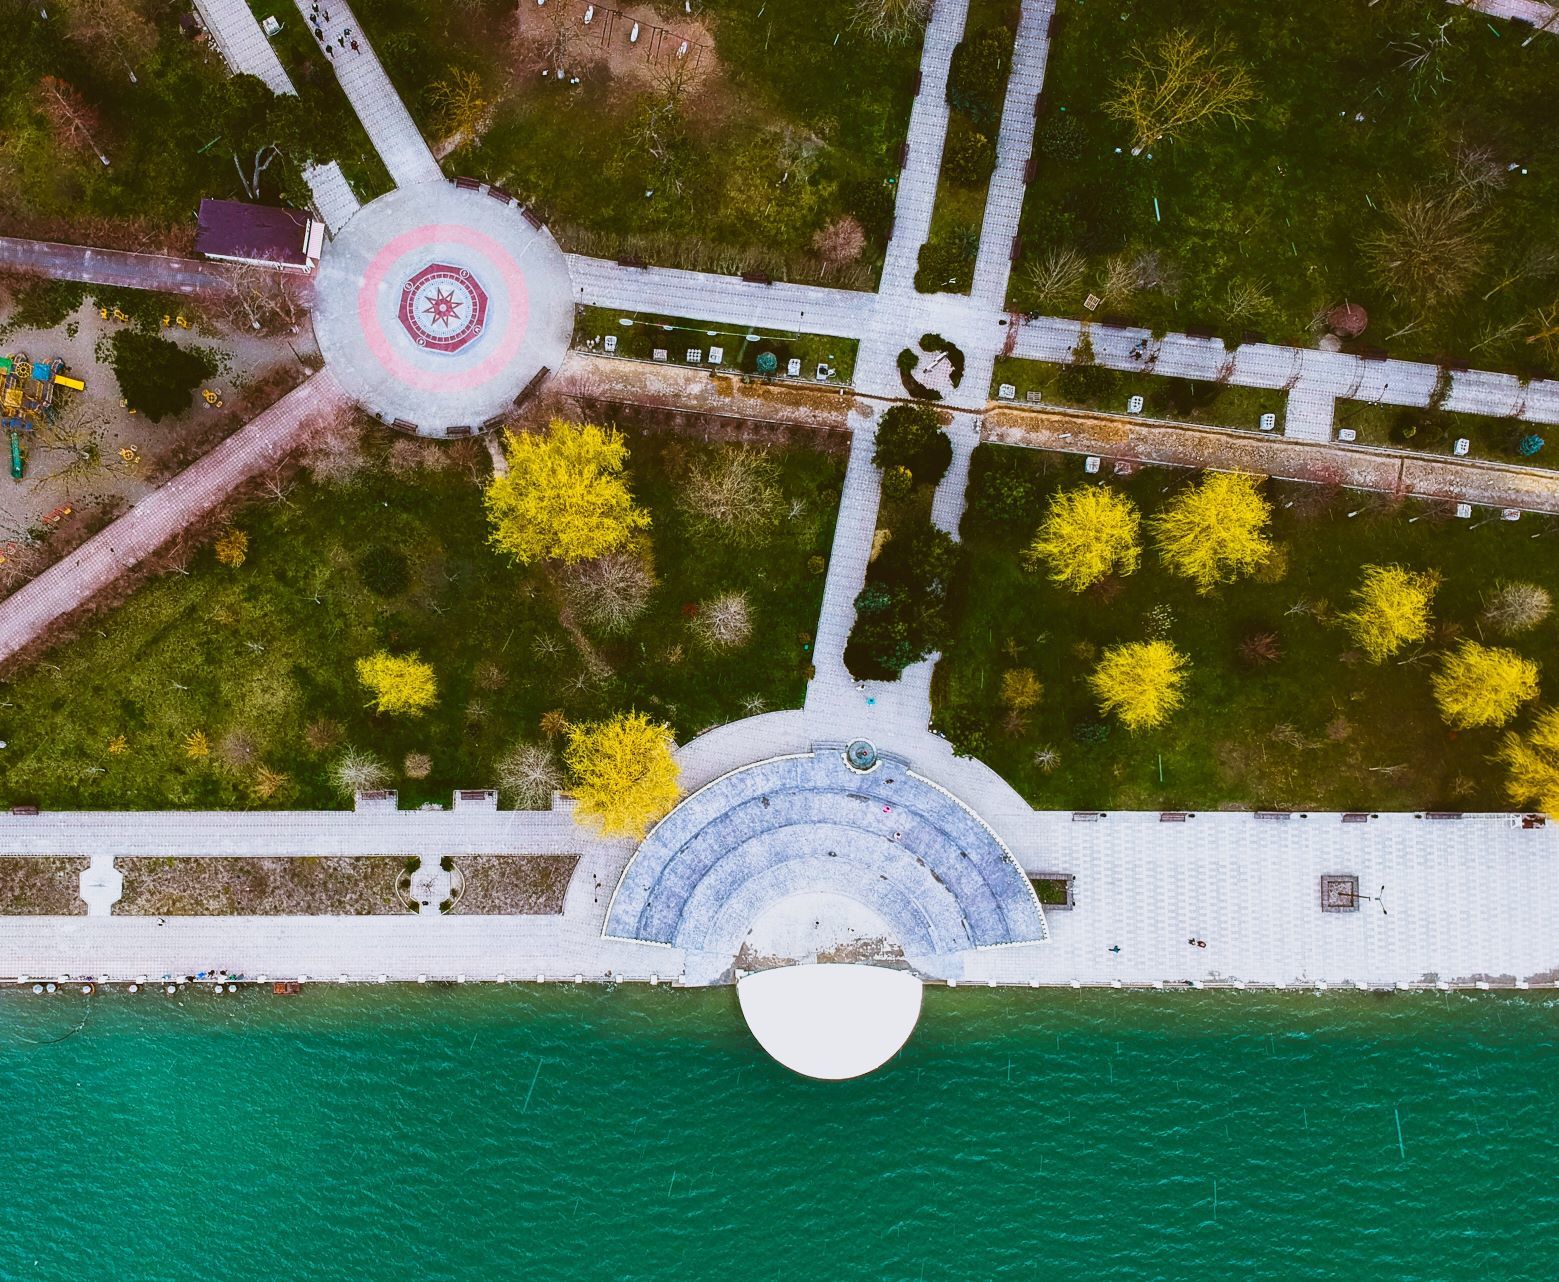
(897, 483)
(384, 571)
(1063, 137)
(969, 157)
(912, 437)
(977, 79)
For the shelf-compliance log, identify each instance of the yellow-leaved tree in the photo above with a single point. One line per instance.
(1215, 532)
(1533, 764)
(1142, 682)
(565, 497)
(1392, 610)
(624, 774)
(402, 684)
(1480, 685)
(1088, 533)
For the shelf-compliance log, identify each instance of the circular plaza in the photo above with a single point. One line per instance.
(831, 864)
(437, 306)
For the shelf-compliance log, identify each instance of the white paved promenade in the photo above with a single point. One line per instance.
(237, 36)
(726, 300)
(1466, 901)
(390, 127)
(1014, 146)
(1536, 12)
(927, 130)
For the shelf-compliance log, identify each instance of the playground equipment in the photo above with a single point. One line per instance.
(26, 392)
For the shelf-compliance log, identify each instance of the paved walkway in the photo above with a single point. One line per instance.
(69, 584)
(390, 127)
(115, 267)
(1014, 146)
(726, 300)
(333, 196)
(927, 131)
(238, 38)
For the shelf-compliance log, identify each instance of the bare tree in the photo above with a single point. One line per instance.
(1514, 608)
(733, 494)
(724, 622)
(70, 116)
(890, 21)
(262, 299)
(839, 241)
(461, 102)
(528, 775)
(1057, 278)
(78, 435)
(358, 771)
(1429, 247)
(333, 449)
(609, 592)
(1177, 83)
(258, 164)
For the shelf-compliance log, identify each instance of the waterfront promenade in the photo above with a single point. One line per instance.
(1459, 900)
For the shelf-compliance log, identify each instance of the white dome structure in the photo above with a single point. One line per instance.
(831, 1021)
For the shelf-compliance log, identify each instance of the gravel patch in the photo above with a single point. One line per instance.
(307, 886)
(33, 887)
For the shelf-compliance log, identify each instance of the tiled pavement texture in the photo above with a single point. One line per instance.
(237, 35)
(333, 197)
(1014, 145)
(927, 132)
(367, 86)
(112, 267)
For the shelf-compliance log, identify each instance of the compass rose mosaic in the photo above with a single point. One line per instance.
(443, 308)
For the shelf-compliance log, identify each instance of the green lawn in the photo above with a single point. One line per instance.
(1260, 226)
(1436, 432)
(793, 120)
(1319, 728)
(1182, 399)
(740, 348)
(256, 656)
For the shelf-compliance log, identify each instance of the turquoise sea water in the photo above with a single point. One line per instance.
(585, 1134)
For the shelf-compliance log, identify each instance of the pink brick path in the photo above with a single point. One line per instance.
(28, 612)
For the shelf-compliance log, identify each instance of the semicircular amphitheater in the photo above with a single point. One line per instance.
(811, 859)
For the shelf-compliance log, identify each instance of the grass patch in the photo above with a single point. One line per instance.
(781, 120)
(1181, 399)
(259, 659)
(1437, 431)
(1315, 727)
(505, 885)
(740, 349)
(41, 886)
(351, 885)
(1260, 226)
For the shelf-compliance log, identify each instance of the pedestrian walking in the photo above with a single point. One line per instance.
(330, 49)
(355, 49)
(341, 40)
(319, 35)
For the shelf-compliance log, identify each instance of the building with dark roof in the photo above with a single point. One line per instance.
(265, 235)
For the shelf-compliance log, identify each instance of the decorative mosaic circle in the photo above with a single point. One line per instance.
(437, 307)
(443, 307)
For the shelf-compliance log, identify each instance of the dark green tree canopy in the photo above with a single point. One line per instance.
(155, 376)
(912, 436)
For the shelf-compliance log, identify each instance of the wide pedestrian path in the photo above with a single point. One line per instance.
(117, 267)
(33, 610)
(389, 125)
